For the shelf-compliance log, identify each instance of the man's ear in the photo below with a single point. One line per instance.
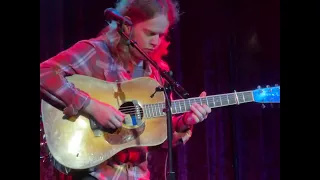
(127, 29)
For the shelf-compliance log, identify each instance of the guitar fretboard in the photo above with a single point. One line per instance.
(183, 105)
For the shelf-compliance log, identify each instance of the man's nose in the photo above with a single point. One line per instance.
(155, 41)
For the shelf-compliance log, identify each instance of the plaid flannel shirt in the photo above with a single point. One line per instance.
(92, 58)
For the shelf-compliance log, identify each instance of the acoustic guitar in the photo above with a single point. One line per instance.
(79, 143)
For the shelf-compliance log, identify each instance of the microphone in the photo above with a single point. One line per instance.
(111, 13)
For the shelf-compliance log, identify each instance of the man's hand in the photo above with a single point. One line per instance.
(105, 114)
(197, 113)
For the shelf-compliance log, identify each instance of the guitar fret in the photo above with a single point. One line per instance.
(228, 99)
(157, 109)
(146, 110)
(251, 96)
(222, 101)
(173, 105)
(217, 101)
(240, 98)
(149, 110)
(162, 109)
(153, 111)
(225, 99)
(175, 108)
(243, 97)
(231, 100)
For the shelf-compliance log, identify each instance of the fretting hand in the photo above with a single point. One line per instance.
(197, 113)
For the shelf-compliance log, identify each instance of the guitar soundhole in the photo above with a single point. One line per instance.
(134, 113)
(132, 127)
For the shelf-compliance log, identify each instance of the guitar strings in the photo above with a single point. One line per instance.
(183, 102)
(154, 108)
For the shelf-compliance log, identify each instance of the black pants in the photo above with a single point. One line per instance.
(85, 178)
(82, 176)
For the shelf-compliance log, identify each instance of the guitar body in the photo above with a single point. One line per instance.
(76, 142)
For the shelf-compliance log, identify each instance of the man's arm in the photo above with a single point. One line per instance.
(183, 124)
(75, 60)
(181, 132)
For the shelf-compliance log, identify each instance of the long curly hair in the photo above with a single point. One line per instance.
(140, 10)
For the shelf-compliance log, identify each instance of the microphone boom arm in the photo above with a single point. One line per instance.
(166, 75)
(171, 84)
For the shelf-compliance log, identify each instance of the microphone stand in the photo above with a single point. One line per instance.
(168, 87)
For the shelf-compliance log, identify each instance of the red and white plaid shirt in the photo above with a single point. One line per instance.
(92, 58)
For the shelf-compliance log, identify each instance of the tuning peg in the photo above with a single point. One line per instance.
(259, 87)
(271, 105)
(276, 85)
(267, 86)
(263, 106)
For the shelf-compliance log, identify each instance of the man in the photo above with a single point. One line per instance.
(109, 57)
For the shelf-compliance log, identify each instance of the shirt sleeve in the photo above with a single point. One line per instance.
(178, 138)
(75, 60)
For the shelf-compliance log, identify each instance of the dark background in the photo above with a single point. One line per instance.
(219, 46)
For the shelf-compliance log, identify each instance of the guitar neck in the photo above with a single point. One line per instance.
(213, 101)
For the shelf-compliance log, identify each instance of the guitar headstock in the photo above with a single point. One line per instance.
(267, 95)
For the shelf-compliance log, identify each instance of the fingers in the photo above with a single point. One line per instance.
(117, 118)
(120, 116)
(203, 94)
(195, 118)
(200, 109)
(110, 124)
(116, 122)
(118, 113)
(198, 112)
(206, 108)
